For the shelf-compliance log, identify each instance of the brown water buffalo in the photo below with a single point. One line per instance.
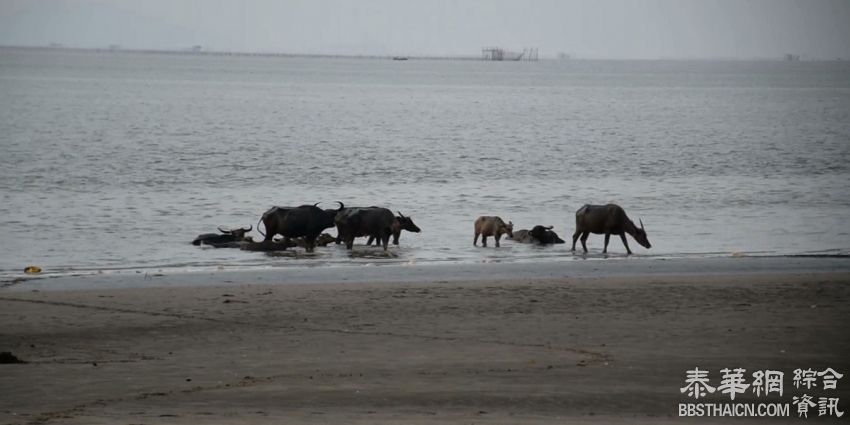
(607, 219)
(307, 221)
(352, 223)
(522, 236)
(400, 223)
(491, 226)
(225, 238)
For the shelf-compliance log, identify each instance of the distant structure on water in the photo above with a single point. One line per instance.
(789, 57)
(500, 54)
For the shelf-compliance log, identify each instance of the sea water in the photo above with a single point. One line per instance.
(115, 161)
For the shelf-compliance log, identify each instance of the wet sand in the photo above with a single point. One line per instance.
(604, 348)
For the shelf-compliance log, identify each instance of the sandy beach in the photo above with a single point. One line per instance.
(577, 346)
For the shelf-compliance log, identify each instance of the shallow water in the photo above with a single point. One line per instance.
(115, 161)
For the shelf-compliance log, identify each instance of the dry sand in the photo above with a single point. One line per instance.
(588, 349)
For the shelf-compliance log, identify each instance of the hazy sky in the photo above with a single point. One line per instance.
(584, 28)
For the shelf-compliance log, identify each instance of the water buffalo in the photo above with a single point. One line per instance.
(545, 235)
(226, 237)
(323, 240)
(280, 245)
(607, 219)
(307, 221)
(522, 236)
(400, 223)
(538, 234)
(369, 221)
(491, 226)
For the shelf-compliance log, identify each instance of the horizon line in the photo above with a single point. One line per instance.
(569, 57)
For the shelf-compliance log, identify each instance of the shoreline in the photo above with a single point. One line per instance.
(615, 266)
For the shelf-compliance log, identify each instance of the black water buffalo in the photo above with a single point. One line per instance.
(607, 219)
(545, 235)
(400, 223)
(538, 234)
(307, 221)
(369, 221)
(280, 245)
(227, 237)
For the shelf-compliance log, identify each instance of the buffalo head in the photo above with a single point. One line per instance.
(540, 233)
(509, 229)
(407, 223)
(238, 234)
(640, 236)
(330, 213)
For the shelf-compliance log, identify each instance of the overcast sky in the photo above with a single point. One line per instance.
(583, 28)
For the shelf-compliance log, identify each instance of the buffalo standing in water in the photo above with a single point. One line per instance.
(375, 222)
(400, 223)
(607, 219)
(307, 221)
(491, 226)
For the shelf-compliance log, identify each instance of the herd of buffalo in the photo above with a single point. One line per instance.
(304, 226)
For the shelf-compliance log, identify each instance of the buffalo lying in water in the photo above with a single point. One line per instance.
(491, 226)
(225, 239)
(281, 245)
(607, 219)
(538, 235)
(307, 221)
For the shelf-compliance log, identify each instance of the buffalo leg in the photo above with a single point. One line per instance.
(575, 239)
(584, 241)
(497, 237)
(385, 238)
(369, 242)
(484, 241)
(349, 242)
(607, 238)
(475, 241)
(395, 237)
(286, 243)
(310, 243)
(626, 243)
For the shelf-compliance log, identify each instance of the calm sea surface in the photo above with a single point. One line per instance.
(115, 161)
